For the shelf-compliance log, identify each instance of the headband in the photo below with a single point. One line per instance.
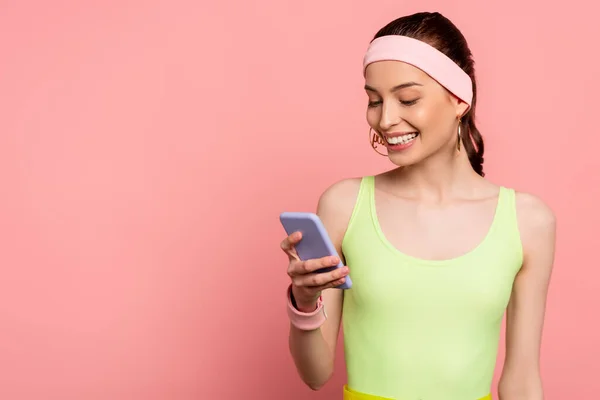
(425, 57)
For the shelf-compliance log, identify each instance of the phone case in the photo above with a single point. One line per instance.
(315, 241)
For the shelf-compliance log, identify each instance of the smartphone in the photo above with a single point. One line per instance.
(315, 241)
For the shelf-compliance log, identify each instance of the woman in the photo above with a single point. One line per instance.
(436, 253)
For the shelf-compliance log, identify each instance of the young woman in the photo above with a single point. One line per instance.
(436, 253)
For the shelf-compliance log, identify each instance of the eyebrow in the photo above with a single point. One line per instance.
(395, 88)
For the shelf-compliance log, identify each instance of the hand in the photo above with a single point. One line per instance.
(307, 284)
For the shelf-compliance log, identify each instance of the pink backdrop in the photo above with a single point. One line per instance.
(133, 134)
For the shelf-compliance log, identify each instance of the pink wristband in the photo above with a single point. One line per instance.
(305, 321)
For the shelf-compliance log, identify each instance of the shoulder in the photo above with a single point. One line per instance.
(337, 202)
(533, 213)
(340, 194)
(537, 222)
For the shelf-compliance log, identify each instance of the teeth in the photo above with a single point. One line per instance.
(401, 139)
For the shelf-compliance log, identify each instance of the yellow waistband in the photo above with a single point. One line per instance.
(350, 394)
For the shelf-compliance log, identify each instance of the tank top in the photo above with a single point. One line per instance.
(417, 329)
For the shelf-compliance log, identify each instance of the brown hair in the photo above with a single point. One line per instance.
(439, 32)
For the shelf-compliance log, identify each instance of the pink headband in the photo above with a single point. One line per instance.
(425, 57)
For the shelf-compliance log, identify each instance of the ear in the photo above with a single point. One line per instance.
(461, 108)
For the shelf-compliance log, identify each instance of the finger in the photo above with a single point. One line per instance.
(316, 264)
(332, 284)
(316, 291)
(313, 265)
(314, 280)
(295, 267)
(293, 256)
(328, 285)
(295, 237)
(289, 242)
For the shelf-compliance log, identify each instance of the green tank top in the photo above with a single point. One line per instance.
(418, 329)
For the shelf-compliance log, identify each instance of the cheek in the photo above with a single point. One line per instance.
(421, 117)
(372, 117)
(430, 118)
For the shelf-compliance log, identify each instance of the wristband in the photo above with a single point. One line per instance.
(305, 321)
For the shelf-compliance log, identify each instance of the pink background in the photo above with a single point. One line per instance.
(134, 133)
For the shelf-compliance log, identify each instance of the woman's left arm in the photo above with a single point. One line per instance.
(521, 378)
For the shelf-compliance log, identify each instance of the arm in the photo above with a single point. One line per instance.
(314, 351)
(521, 378)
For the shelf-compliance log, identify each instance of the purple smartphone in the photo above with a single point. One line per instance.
(315, 241)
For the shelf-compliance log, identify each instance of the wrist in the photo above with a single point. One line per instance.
(308, 320)
(303, 305)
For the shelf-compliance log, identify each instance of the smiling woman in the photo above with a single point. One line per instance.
(436, 252)
(453, 69)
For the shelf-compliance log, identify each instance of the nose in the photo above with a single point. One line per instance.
(390, 115)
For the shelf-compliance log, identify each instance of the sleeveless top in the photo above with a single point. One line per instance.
(417, 329)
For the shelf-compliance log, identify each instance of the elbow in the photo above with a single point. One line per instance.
(318, 383)
(315, 386)
(521, 389)
(520, 394)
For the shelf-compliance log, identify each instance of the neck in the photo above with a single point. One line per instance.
(438, 178)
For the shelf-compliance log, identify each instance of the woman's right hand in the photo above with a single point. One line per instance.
(307, 283)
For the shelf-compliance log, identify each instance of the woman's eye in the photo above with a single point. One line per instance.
(408, 102)
(376, 103)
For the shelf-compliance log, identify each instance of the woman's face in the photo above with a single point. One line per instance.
(416, 116)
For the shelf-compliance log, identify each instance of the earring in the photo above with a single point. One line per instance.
(375, 140)
(459, 134)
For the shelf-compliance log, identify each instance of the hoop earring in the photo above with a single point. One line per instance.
(375, 139)
(459, 134)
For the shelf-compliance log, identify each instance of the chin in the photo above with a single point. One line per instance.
(405, 157)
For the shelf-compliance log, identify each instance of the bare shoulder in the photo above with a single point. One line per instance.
(340, 197)
(533, 213)
(336, 205)
(537, 225)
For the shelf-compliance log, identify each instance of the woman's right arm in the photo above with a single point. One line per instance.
(313, 351)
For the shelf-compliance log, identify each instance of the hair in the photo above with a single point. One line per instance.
(439, 32)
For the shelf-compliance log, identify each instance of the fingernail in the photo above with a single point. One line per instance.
(334, 260)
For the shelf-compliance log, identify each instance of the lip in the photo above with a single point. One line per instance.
(399, 147)
(396, 134)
